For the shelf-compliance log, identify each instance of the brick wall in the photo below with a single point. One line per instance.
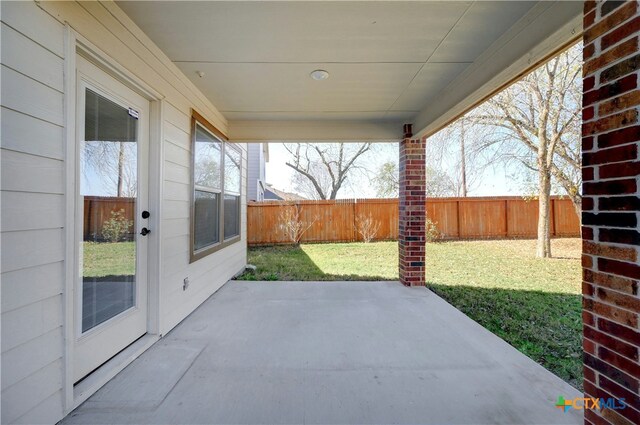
(411, 237)
(611, 206)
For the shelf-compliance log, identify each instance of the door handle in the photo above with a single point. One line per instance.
(145, 231)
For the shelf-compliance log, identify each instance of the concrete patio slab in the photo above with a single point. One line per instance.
(330, 353)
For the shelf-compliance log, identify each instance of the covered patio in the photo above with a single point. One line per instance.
(332, 353)
(206, 351)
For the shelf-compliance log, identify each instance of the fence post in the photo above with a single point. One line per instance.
(506, 218)
(553, 217)
(458, 219)
(353, 215)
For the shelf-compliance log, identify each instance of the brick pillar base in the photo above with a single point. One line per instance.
(611, 207)
(411, 237)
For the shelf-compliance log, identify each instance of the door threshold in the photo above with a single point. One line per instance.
(94, 381)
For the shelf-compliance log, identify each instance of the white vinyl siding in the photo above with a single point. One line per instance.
(33, 191)
(32, 212)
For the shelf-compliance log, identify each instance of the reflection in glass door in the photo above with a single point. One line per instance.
(109, 190)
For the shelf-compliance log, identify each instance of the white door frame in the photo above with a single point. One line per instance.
(102, 341)
(76, 44)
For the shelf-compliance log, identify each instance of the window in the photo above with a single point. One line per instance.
(232, 158)
(217, 181)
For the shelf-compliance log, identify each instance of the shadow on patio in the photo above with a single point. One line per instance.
(336, 352)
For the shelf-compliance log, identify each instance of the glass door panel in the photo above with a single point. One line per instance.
(109, 191)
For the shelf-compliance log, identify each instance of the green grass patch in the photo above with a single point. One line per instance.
(109, 259)
(533, 304)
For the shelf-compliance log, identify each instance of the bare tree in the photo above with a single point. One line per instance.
(115, 163)
(452, 148)
(307, 187)
(322, 169)
(386, 181)
(536, 123)
(463, 162)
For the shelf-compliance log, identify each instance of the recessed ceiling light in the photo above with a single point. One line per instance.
(319, 74)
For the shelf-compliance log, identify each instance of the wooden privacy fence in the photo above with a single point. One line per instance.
(97, 210)
(455, 218)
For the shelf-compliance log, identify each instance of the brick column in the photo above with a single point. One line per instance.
(411, 237)
(611, 207)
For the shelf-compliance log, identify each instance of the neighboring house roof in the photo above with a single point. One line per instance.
(272, 193)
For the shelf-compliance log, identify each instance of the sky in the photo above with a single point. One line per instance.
(494, 182)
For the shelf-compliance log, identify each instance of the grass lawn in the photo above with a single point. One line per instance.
(109, 259)
(532, 304)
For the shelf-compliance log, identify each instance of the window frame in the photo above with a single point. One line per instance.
(198, 120)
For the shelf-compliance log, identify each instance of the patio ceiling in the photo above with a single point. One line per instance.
(389, 62)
